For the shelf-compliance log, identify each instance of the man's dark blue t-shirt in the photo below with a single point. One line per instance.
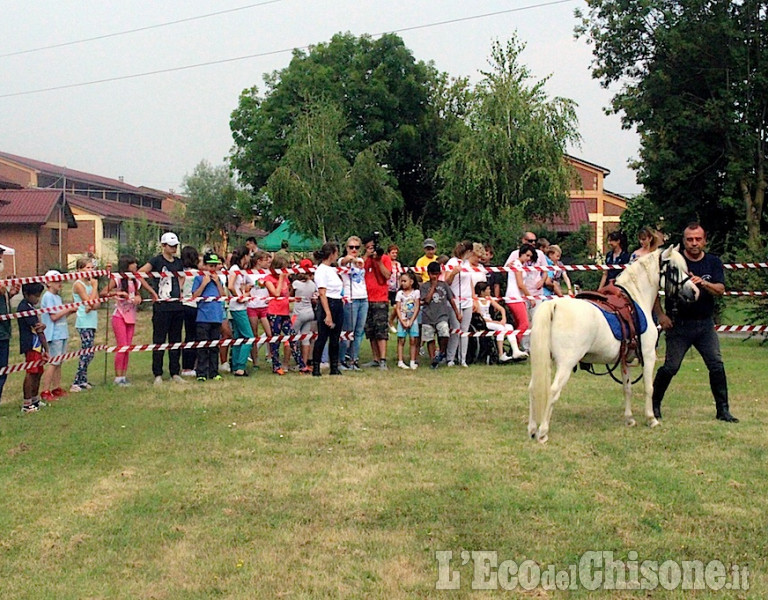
(709, 268)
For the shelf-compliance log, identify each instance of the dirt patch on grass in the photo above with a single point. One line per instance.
(108, 491)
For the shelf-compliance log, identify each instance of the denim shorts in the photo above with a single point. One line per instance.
(56, 347)
(412, 331)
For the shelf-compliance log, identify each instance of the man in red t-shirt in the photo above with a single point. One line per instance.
(378, 268)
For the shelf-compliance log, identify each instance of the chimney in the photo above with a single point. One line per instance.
(121, 179)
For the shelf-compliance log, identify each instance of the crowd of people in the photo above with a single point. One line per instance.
(371, 295)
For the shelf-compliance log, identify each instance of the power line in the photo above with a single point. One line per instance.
(129, 31)
(273, 52)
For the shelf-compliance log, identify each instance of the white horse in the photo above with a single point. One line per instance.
(569, 331)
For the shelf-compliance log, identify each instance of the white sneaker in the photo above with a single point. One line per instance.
(414, 365)
(159, 380)
(519, 355)
(504, 358)
(402, 365)
(224, 368)
(451, 363)
(75, 388)
(178, 379)
(189, 373)
(465, 365)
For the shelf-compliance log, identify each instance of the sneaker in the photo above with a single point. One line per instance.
(451, 363)
(29, 408)
(201, 378)
(370, 364)
(48, 396)
(355, 365)
(58, 393)
(519, 356)
(124, 383)
(383, 365)
(306, 371)
(279, 371)
(422, 351)
(345, 366)
(75, 388)
(178, 379)
(159, 380)
(225, 368)
(465, 365)
(414, 365)
(402, 365)
(504, 358)
(189, 373)
(218, 378)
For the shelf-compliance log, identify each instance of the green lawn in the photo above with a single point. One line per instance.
(347, 487)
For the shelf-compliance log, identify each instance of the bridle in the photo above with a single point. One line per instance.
(672, 281)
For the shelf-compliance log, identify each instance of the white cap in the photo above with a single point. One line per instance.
(170, 239)
(52, 273)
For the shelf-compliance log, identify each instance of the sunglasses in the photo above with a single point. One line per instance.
(354, 247)
(531, 241)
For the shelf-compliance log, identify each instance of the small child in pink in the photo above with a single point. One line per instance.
(124, 317)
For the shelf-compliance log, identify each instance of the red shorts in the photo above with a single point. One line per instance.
(260, 313)
(32, 356)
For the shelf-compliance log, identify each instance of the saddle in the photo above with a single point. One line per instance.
(614, 300)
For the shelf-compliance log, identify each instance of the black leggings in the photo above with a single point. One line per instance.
(325, 333)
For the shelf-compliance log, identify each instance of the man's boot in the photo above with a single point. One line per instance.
(660, 385)
(315, 369)
(719, 385)
(335, 368)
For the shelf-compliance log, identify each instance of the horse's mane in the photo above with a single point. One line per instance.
(638, 275)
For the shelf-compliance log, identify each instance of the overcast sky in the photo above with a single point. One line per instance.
(153, 130)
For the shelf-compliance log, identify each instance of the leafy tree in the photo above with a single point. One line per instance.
(142, 239)
(384, 95)
(316, 188)
(640, 212)
(508, 167)
(693, 77)
(213, 207)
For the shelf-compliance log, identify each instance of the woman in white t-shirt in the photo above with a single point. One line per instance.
(330, 312)
(461, 286)
(356, 307)
(257, 305)
(517, 290)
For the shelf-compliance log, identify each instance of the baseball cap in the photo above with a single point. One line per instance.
(305, 263)
(429, 243)
(51, 273)
(211, 258)
(169, 239)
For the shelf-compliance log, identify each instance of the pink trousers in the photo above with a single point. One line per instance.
(123, 337)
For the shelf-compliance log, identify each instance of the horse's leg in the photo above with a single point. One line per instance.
(649, 362)
(626, 380)
(561, 378)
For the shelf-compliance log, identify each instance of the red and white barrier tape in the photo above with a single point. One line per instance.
(275, 339)
(51, 309)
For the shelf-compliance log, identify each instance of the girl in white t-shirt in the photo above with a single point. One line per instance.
(517, 291)
(257, 305)
(461, 286)
(330, 313)
(407, 302)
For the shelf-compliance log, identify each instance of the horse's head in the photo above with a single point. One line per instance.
(674, 278)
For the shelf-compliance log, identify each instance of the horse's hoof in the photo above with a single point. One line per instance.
(653, 423)
(542, 438)
(532, 432)
(631, 422)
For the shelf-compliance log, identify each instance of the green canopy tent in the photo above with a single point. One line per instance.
(297, 242)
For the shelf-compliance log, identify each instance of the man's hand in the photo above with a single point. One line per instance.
(665, 322)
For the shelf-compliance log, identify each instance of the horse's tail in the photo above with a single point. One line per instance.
(541, 359)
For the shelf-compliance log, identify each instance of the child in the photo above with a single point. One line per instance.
(124, 317)
(305, 292)
(33, 346)
(436, 301)
(407, 308)
(278, 313)
(56, 334)
(555, 276)
(257, 306)
(85, 288)
(209, 316)
(483, 304)
(239, 286)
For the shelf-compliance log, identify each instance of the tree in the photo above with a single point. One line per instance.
(507, 166)
(214, 206)
(142, 240)
(384, 95)
(693, 77)
(316, 188)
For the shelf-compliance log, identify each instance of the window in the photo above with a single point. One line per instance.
(55, 237)
(112, 231)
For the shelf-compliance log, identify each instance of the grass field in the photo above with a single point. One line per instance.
(346, 487)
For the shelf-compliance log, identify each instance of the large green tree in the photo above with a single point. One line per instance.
(507, 166)
(384, 94)
(316, 187)
(214, 206)
(692, 77)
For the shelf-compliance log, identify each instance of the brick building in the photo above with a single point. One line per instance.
(37, 224)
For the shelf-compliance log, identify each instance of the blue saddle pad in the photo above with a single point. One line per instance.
(613, 321)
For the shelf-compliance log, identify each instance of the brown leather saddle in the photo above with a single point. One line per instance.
(616, 301)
